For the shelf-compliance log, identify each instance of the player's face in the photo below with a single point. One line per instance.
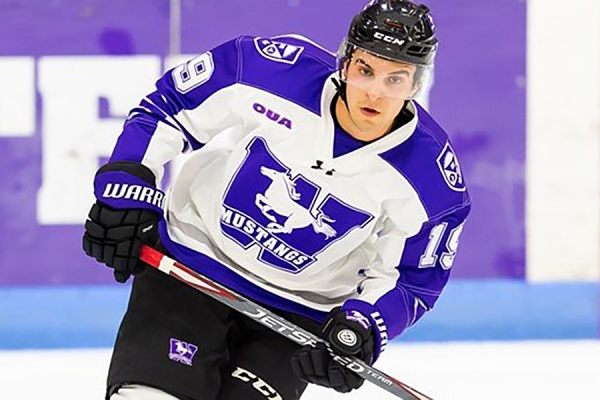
(376, 91)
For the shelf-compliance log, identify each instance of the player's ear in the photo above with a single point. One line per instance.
(345, 66)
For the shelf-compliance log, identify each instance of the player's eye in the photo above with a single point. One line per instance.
(396, 79)
(365, 71)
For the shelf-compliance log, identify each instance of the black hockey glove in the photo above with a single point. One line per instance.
(125, 216)
(349, 335)
(115, 237)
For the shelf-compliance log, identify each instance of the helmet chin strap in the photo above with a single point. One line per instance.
(340, 82)
(340, 85)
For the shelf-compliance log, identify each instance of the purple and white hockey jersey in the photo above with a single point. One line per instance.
(262, 205)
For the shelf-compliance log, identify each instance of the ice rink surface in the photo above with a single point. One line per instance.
(556, 370)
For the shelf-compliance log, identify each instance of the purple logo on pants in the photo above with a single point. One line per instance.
(182, 352)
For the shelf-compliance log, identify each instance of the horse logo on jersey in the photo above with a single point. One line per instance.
(277, 51)
(281, 197)
(448, 164)
(286, 216)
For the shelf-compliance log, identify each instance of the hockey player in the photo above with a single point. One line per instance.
(316, 186)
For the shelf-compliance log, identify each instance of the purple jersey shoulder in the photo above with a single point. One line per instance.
(428, 161)
(290, 67)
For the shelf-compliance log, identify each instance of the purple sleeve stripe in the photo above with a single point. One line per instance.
(189, 139)
(159, 103)
(135, 138)
(154, 111)
(160, 107)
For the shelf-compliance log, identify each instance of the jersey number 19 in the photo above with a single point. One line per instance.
(429, 259)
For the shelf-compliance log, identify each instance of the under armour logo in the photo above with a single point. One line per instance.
(319, 165)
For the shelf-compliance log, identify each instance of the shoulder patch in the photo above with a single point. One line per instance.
(450, 169)
(278, 51)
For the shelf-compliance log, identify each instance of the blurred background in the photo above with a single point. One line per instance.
(516, 85)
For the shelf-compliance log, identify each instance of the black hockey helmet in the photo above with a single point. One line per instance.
(398, 30)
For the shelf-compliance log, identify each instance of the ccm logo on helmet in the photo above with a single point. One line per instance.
(389, 39)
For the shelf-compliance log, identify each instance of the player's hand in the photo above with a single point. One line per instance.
(349, 334)
(115, 237)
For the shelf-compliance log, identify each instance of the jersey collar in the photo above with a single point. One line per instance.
(325, 138)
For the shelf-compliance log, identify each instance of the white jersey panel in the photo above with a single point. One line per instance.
(197, 205)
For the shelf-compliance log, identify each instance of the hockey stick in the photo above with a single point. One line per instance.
(260, 314)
